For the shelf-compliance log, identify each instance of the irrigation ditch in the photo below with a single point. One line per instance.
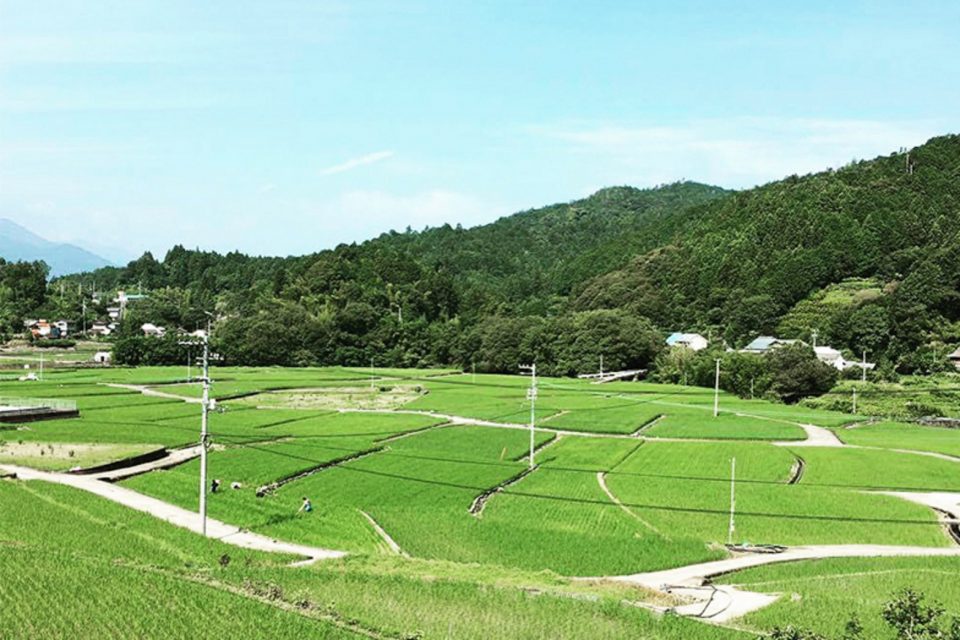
(272, 487)
(480, 502)
(796, 473)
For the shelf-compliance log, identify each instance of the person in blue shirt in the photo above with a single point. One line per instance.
(306, 507)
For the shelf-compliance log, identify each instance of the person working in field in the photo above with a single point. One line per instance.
(306, 507)
(215, 485)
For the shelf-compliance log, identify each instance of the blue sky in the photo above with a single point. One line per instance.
(285, 127)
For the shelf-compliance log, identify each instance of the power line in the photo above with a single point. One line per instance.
(606, 503)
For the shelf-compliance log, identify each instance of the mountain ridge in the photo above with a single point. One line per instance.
(19, 243)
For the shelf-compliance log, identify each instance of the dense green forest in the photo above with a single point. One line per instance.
(491, 296)
(741, 264)
(866, 256)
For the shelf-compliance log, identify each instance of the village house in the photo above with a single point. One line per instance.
(45, 329)
(763, 344)
(692, 341)
(150, 329)
(100, 329)
(835, 359)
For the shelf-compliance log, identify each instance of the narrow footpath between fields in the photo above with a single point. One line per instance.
(150, 391)
(816, 437)
(175, 515)
(723, 603)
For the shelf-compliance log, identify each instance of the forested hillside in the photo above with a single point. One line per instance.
(526, 259)
(743, 262)
(419, 296)
(607, 274)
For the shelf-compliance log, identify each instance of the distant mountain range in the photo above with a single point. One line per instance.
(18, 243)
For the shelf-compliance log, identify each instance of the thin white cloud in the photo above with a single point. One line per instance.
(353, 163)
(737, 152)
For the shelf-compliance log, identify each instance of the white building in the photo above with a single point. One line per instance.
(693, 341)
(836, 360)
(150, 329)
(102, 357)
(100, 329)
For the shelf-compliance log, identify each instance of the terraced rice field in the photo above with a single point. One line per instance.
(895, 435)
(822, 594)
(433, 497)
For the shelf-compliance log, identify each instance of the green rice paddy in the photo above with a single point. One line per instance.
(629, 477)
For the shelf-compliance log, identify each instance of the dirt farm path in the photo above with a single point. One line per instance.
(816, 437)
(478, 422)
(723, 603)
(602, 481)
(150, 391)
(175, 515)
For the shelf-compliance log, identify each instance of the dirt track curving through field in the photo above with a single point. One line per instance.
(463, 421)
(149, 391)
(175, 515)
(602, 481)
(816, 437)
(387, 539)
(723, 603)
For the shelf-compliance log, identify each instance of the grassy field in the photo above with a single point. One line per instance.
(75, 566)
(822, 594)
(629, 477)
(896, 435)
(62, 456)
(867, 469)
(685, 487)
(908, 397)
(694, 424)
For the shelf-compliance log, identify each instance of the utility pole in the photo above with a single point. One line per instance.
(205, 405)
(733, 499)
(474, 365)
(716, 391)
(601, 366)
(854, 400)
(532, 397)
(864, 367)
(814, 335)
